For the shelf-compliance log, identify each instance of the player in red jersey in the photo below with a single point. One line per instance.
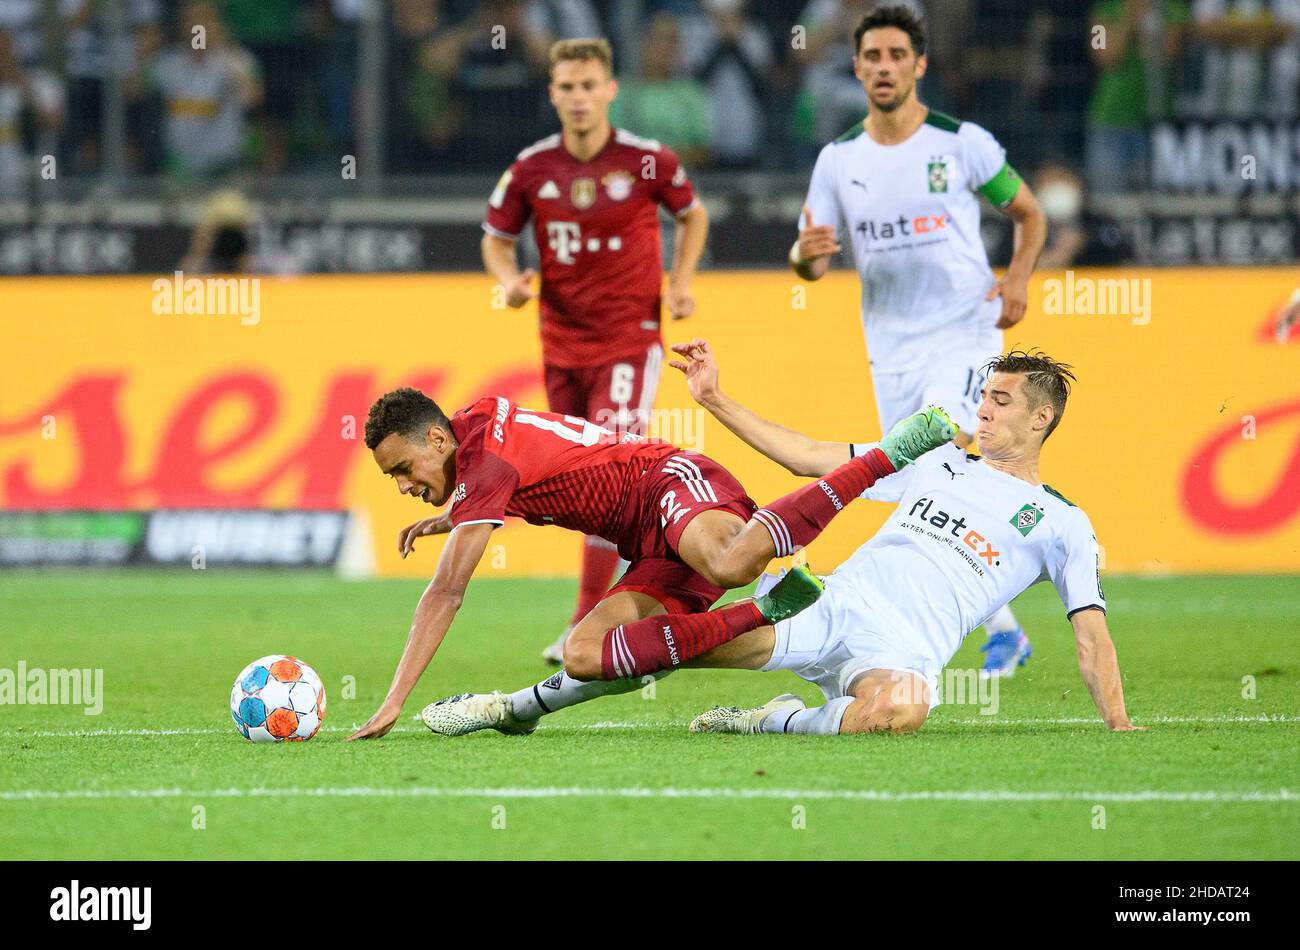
(683, 521)
(593, 194)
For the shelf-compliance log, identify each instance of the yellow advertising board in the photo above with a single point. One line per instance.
(1181, 441)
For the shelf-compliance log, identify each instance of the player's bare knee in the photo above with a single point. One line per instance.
(731, 574)
(881, 713)
(735, 567)
(582, 658)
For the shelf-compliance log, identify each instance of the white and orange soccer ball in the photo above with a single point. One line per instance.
(278, 699)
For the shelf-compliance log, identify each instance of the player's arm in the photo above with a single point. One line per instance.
(1099, 667)
(810, 256)
(500, 261)
(798, 453)
(692, 232)
(433, 616)
(1030, 234)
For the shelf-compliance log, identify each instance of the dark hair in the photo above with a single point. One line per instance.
(406, 411)
(1046, 380)
(898, 16)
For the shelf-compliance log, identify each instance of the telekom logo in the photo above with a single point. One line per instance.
(563, 237)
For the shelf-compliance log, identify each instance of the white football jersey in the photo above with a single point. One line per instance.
(912, 215)
(964, 540)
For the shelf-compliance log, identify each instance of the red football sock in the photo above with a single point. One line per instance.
(599, 561)
(662, 642)
(797, 518)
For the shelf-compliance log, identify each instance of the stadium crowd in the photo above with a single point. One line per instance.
(743, 84)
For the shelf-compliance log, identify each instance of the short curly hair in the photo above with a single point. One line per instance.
(406, 411)
(897, 16)
(1046, 380)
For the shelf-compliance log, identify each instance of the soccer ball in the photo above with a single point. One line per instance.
(277, 699)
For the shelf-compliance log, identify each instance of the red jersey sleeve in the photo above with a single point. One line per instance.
(675, 191)
(508, 210)
(485, 483)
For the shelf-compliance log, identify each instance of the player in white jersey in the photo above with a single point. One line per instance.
(904, 185)
(969, 534)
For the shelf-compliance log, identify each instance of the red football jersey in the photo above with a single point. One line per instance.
(597, 229)
(546, 468)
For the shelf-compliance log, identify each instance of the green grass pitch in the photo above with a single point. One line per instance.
(1216, 777)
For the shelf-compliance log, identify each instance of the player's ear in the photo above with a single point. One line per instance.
(1043, 417)
(921, 64)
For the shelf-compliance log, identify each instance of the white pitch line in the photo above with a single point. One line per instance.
(1276, 718)
(784, 794)
(107, 732)
(1150, 720)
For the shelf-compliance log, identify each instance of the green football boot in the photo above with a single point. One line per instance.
(920, 432)
(792, 593)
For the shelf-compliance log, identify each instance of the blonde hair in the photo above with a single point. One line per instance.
(583, 49)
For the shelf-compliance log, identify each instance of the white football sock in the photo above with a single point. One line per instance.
(1002, 621)
(561, 691)
(817, 721)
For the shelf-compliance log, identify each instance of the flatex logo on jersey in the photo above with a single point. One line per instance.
(933, 227)
(979, 551)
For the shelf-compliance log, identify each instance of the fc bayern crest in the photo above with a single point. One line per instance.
(618, 185)
(583, 193)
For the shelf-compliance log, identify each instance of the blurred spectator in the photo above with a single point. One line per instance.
(424, 118)
(1075, 236)
(499, 64)
(13, 95)
(21, 19)
(551, 20)
(207, 84)
(659, 105)
(272, 33)
(1134, 85)
(89, 56)
(222, 238)
(730, 54)
(339, 37)
(1248, 54)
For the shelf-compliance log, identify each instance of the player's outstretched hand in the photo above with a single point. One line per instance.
(438, 524)
(681, 303)
(816, 240)
(378, 724)
(520, 290)
(699, 367)
(1014, 292)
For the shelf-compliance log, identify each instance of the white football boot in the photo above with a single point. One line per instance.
(744, 721)
(469, 712)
